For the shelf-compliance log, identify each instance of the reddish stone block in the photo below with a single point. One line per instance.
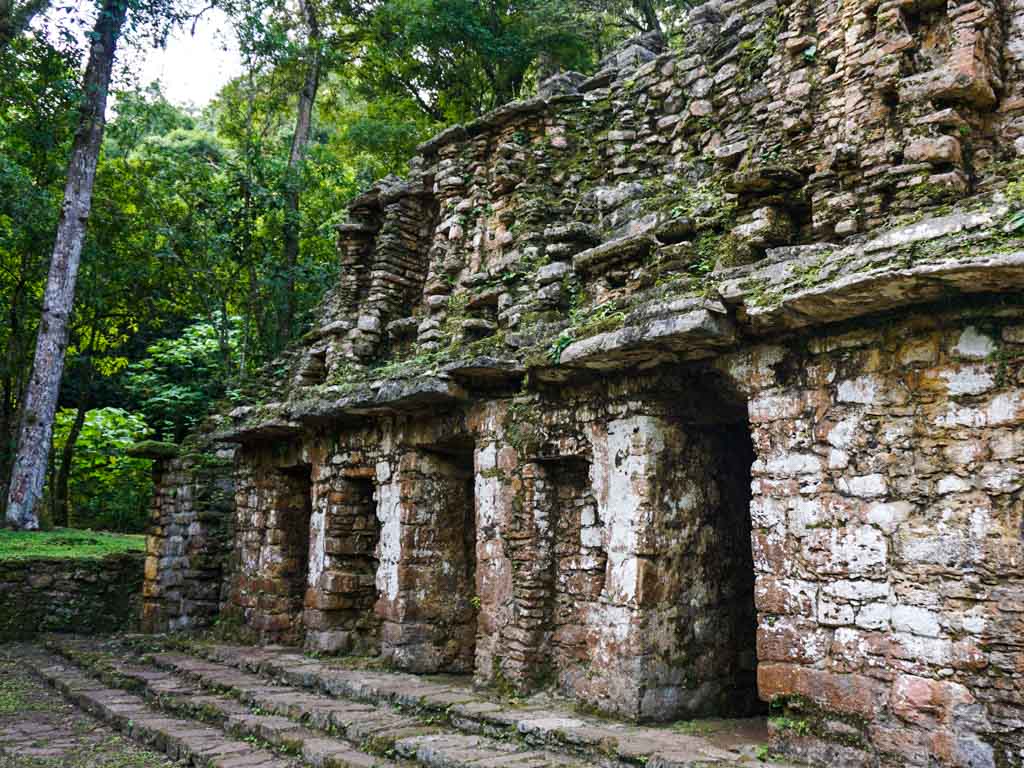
(792, 640)
(784, 596)
(923, 701)
(851, 694)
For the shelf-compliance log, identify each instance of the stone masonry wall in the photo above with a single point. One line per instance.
(343, 561)
(613, 530)
(889, 539)
(611, 521)
(189, 538)
(693, 382)
(76, 595)
(390, 562)
(427, 575)
(270, 562)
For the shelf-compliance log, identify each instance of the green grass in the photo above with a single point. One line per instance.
(66, 543)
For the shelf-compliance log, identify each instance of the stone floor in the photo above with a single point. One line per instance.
(39, 729)
(229, 706)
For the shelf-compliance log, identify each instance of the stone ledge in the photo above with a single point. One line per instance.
(777, 304)
(384, 396)
(693, 334)
(602, 257)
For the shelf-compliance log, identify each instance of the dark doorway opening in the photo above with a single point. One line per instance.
(711, 564)
(456, 541)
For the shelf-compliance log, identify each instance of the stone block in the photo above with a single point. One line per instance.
(942, 150)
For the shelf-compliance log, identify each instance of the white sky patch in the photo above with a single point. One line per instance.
(196, 62)
(192, 68)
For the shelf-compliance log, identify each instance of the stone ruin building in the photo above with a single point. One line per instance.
(685, 388)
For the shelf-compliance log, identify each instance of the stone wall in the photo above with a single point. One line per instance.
(428, 562)
(189, 535)
(889, 538)
(74, 595)
(345, 536)
(270, 562)
(688, 388)
(612, 562)
(773, 124)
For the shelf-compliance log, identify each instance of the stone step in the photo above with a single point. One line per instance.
(325, 731)
(452, 700)
(193, 743)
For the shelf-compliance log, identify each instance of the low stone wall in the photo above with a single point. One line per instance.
(85, 596)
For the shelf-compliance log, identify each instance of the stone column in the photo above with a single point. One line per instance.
(495, 491)
(531, 551)
(674, 630)
(426, 579)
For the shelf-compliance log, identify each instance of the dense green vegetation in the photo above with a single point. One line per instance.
(191, 275)
(61, 543)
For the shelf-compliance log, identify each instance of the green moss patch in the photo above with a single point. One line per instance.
(66, 543)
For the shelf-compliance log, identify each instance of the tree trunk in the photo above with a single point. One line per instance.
(293, 181)
(29, 473)
(650, 15)
(62, 501)
(15, 19)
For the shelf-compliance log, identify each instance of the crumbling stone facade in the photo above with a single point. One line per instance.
(190, 530)
(686, 388)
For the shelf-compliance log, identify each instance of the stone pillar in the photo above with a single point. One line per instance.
(344, 536)
(426, 579)
(531, 551)
(625, 461)
(673, 634)
(496, 485)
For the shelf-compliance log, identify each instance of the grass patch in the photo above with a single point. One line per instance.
(66, 543)
(14, 697)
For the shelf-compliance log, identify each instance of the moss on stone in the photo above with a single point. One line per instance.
(153, 449)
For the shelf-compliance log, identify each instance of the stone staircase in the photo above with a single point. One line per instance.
(233, 706)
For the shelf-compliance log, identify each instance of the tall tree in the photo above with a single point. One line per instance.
(459, 58)
(15, 18)
(293, 180)
(40, 403)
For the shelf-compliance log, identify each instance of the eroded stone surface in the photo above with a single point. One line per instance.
(693, 383)
(441, 721)
(38, 729)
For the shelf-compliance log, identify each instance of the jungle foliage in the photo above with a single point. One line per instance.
(185, 288)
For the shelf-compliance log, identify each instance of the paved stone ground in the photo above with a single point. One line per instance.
(220, 706)
(39, 729)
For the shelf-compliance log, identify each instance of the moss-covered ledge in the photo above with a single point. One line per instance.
(154, 449)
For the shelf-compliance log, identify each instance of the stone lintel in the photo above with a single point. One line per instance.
(692, 335)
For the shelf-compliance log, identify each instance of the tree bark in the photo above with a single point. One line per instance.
(650, 15)
(29, 472)
(15, 19)
(293, 182)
